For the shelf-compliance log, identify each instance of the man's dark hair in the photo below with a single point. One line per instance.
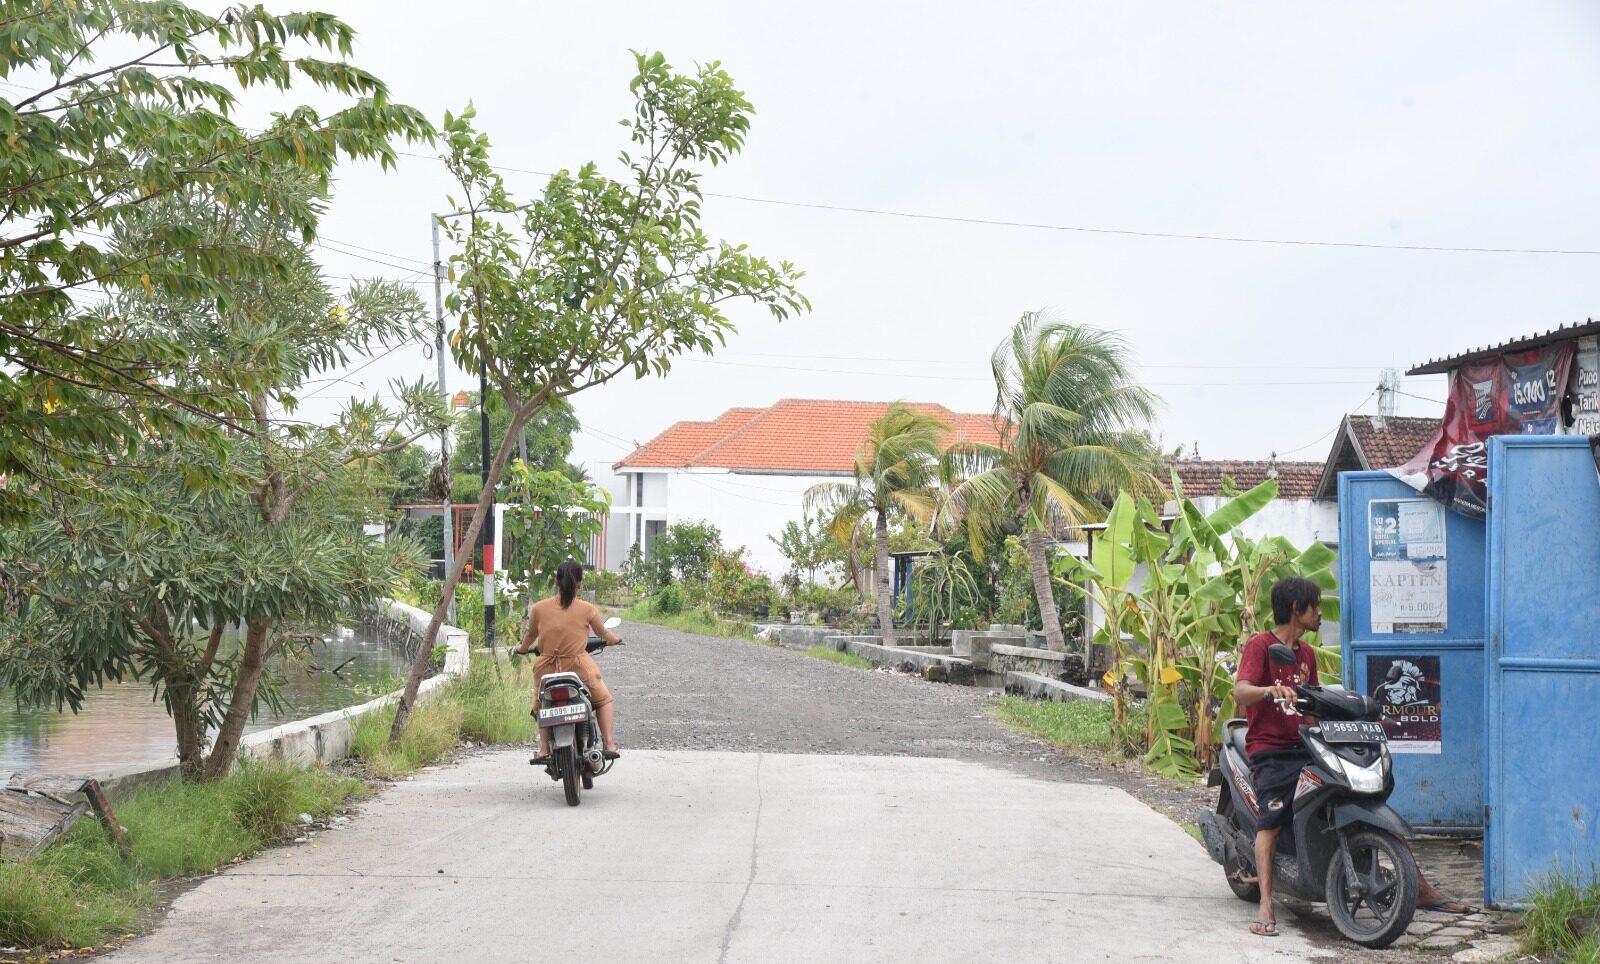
(1293, 595)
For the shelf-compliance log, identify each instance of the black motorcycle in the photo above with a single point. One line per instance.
(1345, 846)
(576, 756)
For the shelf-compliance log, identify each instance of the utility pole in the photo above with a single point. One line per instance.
(444, 434)
(486, 534)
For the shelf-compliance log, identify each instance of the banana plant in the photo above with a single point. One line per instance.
(1199, 600)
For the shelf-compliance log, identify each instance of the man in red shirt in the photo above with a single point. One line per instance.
(1272, 735)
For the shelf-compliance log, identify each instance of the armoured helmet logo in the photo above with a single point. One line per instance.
(1402, 685)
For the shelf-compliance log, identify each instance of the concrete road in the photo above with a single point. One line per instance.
(715, 856)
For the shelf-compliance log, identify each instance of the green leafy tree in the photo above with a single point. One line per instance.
(805, 543)
(597, 278)
(1070, 414)
(896, 472)
(130, 105)
(549, 519)
(543, 443)
(142, 578)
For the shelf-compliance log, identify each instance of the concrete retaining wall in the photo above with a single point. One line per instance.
(915, 659)
(1020, 659)
(791, 636)
(1036, 687)
(318, 739)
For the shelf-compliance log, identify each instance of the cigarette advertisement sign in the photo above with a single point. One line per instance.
(1409, 690)
(1409, 584)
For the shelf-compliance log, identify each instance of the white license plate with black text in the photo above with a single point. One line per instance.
(571, 713)
(1358, 731)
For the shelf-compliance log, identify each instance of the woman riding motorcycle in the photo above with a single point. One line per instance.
(561, 626)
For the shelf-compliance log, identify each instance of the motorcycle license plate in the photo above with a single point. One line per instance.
(1359, 731)
(557, 715)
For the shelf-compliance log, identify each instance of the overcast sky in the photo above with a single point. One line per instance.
(1440, 124)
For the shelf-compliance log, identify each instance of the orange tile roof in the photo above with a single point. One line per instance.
(795, 435)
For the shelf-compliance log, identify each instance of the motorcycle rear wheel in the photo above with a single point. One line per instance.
(1244, 890)
(567, 762)
(1386, 886)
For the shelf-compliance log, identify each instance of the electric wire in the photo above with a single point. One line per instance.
(1119, 232)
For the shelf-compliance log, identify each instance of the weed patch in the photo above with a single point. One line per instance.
(1080, 725)
(1563, 921)
(834, 656)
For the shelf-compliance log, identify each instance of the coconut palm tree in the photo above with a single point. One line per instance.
(896, 470)
(1070, 416)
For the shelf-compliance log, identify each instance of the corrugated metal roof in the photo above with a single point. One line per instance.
(1440, 366)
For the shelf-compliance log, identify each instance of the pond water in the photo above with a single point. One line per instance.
(122, 724)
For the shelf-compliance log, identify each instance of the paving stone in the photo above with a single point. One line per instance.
(1456, 932)
(1422, 928)
(1484, 951)
(1437, 943)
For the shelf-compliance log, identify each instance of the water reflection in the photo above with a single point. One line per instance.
(123, 724)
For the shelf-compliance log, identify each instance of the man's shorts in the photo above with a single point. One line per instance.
(1275, 774)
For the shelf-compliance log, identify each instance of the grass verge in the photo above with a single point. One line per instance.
(701, 621)
(81, 892)
(1083, 726)
(834, 656)
(1563, 921)
(483, 706)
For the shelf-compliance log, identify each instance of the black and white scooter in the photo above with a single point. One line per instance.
(1345, 846)
(576, 756)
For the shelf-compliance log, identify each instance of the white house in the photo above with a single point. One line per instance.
(747, 471)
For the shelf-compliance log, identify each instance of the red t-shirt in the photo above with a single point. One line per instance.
(1268, 727)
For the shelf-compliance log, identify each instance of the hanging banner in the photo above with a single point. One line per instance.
(1586, 387)
(1515, 394)
(1408, 689)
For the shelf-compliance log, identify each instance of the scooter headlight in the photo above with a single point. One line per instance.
(1361, 778)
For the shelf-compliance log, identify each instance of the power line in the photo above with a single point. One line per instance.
(986, 378)
(1118, 232)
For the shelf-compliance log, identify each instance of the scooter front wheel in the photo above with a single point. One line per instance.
(1375, 905)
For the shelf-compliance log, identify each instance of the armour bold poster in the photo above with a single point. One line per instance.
(1408, 689)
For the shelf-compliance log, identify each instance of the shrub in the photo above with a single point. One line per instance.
(735, 588)
(668, 602)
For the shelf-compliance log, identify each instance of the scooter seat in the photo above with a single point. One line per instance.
(1235, 731)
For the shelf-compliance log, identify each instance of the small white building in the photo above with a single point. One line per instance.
(748, 470)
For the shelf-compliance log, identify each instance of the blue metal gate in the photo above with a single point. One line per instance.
(1543, 754)
(1434, 711)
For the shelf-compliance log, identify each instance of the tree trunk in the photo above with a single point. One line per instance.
(884, 577)
(252, 661)
(1042, 590)
(188, 727)
(419, 665)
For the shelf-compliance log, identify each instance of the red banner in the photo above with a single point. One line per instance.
(1515, 394)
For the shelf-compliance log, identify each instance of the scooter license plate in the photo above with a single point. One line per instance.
(557, 715)
(1357, 731)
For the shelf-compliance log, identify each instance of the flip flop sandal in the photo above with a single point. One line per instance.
(1264, 928)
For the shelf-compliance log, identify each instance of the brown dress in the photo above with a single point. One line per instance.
(562, 635)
